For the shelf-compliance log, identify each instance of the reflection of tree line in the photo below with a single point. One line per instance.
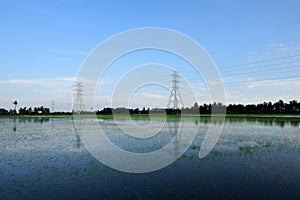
(267, 121)
(42, 120)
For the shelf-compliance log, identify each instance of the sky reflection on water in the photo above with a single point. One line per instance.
(254, 158)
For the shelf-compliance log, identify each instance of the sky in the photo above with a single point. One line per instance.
(254, 44)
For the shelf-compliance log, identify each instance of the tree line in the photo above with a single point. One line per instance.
(279, 107)
(31, 111)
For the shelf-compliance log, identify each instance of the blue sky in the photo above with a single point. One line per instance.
(44, 43)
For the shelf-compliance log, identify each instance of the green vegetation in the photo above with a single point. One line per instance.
(263, 110)
(246, 149)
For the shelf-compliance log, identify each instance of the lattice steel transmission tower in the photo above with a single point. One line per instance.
(175, 100)
(78, 105)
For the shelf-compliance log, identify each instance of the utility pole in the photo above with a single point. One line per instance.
(175, 100)
(78, 105)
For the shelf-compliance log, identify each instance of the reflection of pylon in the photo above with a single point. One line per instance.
(173, 128)
(78, 105)
(175, 97)
(77, 131)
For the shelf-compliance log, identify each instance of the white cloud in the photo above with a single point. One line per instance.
(272, 50)
(153, 96)
(230, 95)
(279, 46)
(286, 82)
(20, 81)
(36, 92)
(49, 82)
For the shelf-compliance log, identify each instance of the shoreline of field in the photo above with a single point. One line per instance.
(144, 116)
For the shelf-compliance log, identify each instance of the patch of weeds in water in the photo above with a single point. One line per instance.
(194, 147)
(184, 156)
(246, 149)
(268, 144)
(216, 153)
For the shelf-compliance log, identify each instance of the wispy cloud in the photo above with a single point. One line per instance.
(230, 95)
(272, 50)
(47, 82)
(286, 82)
(153, 96)
(279, 46)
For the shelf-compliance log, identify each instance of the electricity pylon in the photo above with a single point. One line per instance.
(175, 100)
(78, 105)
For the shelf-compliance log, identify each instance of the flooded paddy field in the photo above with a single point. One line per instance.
(255, 158)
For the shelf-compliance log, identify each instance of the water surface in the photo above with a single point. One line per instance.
(254, 158)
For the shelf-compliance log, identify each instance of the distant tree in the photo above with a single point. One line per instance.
(29, 110)
(136, 111)
(3, 111)
(12, 112)
(279, 107)
(46, 111)
(15, 103)
(144, 111)
(35, 110)
(104, 111)
(250, 109)
(218, 108)
(205, 109)
(121, 110)
(293, 107)
(195, 108)
(22, 111)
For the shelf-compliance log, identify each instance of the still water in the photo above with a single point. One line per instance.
(44, 158)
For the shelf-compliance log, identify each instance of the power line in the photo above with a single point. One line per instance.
(252, 68)
(259, 72)
(288, 78)
(256, 70)
(268, 79)
(265, 70)
(262, 61)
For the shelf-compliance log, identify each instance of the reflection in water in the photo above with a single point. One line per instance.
(249, 162)
(173, 129)
(40, 120)
(77, 132)
(43, 120)
(266, 121)
(15, 126)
